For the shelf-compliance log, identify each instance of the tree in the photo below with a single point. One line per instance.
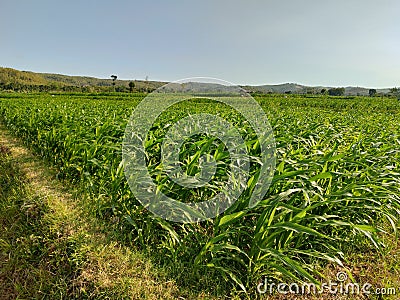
(131, 86)
(372, 92)
(336, 91)
(114, 78)
(323, 91)
(394, 90)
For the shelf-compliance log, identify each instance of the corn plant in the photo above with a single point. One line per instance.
(337, 181)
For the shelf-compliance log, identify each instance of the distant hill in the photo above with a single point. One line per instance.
(278, 88)
(76, 80)
(302, 89)
(11, 79)
(8, 75)
(350, 90)
(97, 82)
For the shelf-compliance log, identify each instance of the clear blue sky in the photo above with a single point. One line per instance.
(334, 43)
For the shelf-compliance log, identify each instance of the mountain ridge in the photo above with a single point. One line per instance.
(10, 77)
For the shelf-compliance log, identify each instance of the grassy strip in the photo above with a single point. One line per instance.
(50, 249)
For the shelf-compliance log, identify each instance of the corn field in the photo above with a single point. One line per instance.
(336, 185)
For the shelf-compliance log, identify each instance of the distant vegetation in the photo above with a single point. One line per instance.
(23, 81)
(336, 92)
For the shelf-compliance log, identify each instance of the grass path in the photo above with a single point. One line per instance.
(51, 249)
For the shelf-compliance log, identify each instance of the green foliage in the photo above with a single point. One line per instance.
(131, 86)
(336, 91)
(337, 180)
(372, 92)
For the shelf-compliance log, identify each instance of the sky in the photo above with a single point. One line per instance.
(330, 43)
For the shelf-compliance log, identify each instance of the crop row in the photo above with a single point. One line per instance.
(336, 184)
